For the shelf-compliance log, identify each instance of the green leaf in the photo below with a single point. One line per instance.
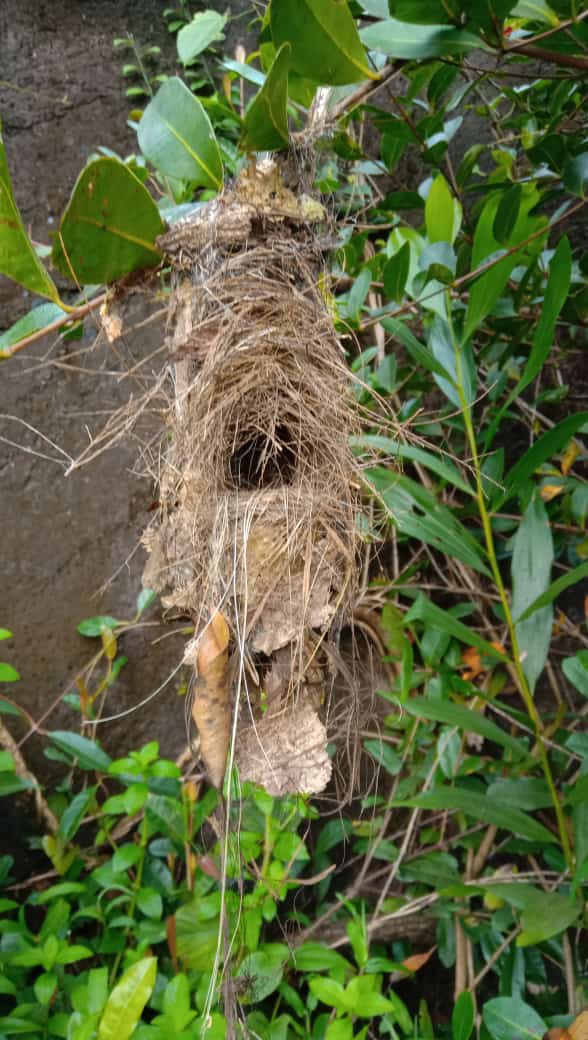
(575, 175)
(197, 35)
(11, 784)
(465, 719)
(125, 1004)
(416, 350)
(524, 792)
(385, 755)
(176, 135)
(74, 814)
(532, 558)
(543, 449)
(109, 227)
(150, 903)
(196, 933)
(535, 11)
(37, 318)
(558, 586)
(5, 633)
(93, 626)
(424, 12)
(417, 513)
(8, 673)
(395, 273)
(88, 753)
(403, 40)
(441, 465)
(265, 127)
(482, 809)
(508, 1017)
(440, 212)
(18, 258)
(430, 614)
(325, 44)
(266, 968)
(145, 598)
(544, 915)
(507, 213)
(329, 991)
(165, 815)
(576, 670)
(463, 1016)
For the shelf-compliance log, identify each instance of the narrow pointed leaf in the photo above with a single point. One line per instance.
(555, 589)
(465, 719)
(18, 259)
(532, 559)
(109, 227)
(266, 121)
(481, 808)
(326, 47)
(543, 449)
(176, 135)
(404, 40)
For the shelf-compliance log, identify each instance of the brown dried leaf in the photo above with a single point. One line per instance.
(211, 709)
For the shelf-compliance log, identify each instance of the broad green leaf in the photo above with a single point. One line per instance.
(329, 991)
(266, 967)
(465, 719)
(532, 558)
(109, 227)
(94, 626)
(167, 816)
(535, 11)
(429, 613)
(197, 35)
(543, 449)
(440, 212)
(74, 813)
(463, 1016)
(89, 754)
(37, 318)
(176, 135)
(417, 513)
(395, 273)
(125, 1004)
(425, 12)
(18, 259)
(524, 792)
(555, 589)
(314, 956)
(575, 670)
(481, 808)
(488, 286)
(508, 1017)
(403, 40)
(439, 464)
(11, 784)
(196, 933)
(575, 175)
(265, 126)
(5, 633)
(8, 673)
(325, 44)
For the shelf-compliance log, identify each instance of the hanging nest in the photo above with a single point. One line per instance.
(256, 535)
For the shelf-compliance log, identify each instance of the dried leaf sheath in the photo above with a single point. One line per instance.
(211, 707)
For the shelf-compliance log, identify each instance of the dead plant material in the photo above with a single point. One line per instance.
(211, 707)
(259, 490)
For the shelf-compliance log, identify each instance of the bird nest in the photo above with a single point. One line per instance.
(256, 534)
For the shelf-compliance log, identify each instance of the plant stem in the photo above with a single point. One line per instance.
(523, 684)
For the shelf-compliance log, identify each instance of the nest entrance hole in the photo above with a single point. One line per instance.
(260, 460)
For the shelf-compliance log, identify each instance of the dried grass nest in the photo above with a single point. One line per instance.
(256, 533)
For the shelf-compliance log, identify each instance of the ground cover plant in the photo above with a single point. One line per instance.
(446, 899)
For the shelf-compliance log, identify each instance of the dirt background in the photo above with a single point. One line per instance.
(61, 96)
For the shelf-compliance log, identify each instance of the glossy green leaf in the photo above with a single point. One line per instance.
(481, 808)
(463, 1017)
(555, 589)
(532, 559)
(439, 464)
(395, 273)
(176, 135)
(265, 126)
(535, 11)
(329, 991)
(404, 40)
(88, 753)
(544, 448)
(93, 626)
(205, 28)
(508, 1017)
(18, 259)
(314, 956)
(575, 175)
(196, 933)
(465, 719)
(575, 670)
(325, 44)
(424, 12)
(125, 1004)
(109, 227)
(440, 212)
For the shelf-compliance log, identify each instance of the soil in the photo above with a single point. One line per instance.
(62, 96)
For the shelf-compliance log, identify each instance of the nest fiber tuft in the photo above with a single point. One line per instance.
(258, 488)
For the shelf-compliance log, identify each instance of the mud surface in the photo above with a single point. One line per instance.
(62, 96)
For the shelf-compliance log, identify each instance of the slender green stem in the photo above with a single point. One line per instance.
(523, 684)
